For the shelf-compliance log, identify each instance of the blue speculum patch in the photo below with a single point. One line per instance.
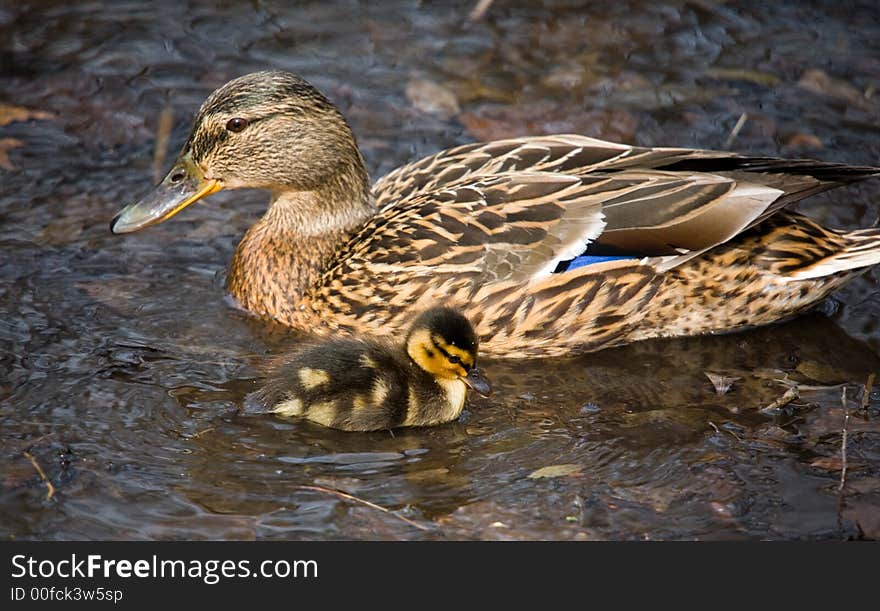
(585, 260)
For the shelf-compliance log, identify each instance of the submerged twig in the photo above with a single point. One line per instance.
(840, 487)
(790, 395)
(198, 434)
(166, 122)
(479, 11)
(50, 489)
(351, 497)
(789, 383)
(792, 421)
(809, 387)
(866, 396)
(736, 129)
(734, 435)
(726, 430)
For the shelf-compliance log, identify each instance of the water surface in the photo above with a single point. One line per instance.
(122, 369)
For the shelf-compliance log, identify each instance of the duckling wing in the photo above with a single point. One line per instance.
(345, 383)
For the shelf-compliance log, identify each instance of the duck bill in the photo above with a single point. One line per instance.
(478, 382)
(184, 185)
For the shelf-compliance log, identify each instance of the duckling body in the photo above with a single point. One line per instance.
(681, 241)
(358, 384)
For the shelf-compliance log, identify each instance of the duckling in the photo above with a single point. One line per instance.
(359, 384)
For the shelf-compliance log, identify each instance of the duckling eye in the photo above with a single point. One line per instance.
(455, 359)
(236, 125)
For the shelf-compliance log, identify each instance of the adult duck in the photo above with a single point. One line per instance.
(550, 245)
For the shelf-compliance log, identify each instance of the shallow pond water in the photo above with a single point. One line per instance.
(122, 368)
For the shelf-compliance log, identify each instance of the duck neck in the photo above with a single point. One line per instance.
(286, 251)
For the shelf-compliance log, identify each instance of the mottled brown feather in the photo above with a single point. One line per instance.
(483, 226)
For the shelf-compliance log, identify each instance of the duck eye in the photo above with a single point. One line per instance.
(455, 359)
(237, 124)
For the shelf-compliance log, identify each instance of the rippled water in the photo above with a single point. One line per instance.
(122, 369)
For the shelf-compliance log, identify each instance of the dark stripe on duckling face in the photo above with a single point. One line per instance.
(454, 355)
(443, 343)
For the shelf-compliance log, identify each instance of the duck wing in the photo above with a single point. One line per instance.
(655, 201)
(519, 227)
(580, 155)
(500, 227)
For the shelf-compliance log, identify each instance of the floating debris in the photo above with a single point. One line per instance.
(828, 463)
(350, 497)
(10, 114)
(803, 140)
(740, 74)
(774, 408)
(841, 503)
(722, 383)
(432, 98)
(736, 130)
(590, 408)
(50, 489)
(555, 471)
(866, 394)
(820, 82)
(166, 122)
(6, 145)
(480, 9)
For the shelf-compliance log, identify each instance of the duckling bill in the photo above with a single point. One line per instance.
(358, 384)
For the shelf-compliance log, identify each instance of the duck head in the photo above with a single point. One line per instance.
(267, 130)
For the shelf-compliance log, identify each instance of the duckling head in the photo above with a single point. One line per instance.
(266, 130)
(442, 342)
